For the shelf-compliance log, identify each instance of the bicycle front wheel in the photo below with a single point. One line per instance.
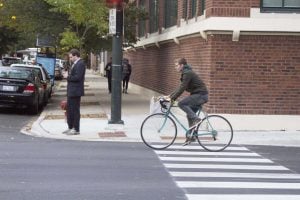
(214, 133)
(158, 131)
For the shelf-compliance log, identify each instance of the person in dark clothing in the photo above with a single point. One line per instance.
(108, 70)
(191, 83)
(75, 89)
(126, 72)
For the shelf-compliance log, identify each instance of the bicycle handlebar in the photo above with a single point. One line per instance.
(163, 102)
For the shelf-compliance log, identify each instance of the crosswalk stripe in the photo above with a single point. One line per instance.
(185, 166)
(179, 147)
(248, 185)
(235, 175)
(248, 160)
(241, 197)
(217, 166)
(207, 153)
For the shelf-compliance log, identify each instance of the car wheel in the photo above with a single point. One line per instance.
(34, 109)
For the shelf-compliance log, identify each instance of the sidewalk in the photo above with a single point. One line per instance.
(95, 114)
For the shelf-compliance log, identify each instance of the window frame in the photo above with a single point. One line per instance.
(142, 23)
(153, 16)
(168, 22)
(193, 8)
(278, 9)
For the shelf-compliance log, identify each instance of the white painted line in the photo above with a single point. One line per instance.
(199, 147)
(215, 166)
(248, 185)
(236, 175)
(239, 160)
(203, 153)
(241, 197)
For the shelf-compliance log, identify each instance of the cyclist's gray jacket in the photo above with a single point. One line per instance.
(190, 82)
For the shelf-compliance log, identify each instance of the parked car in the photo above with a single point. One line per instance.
(43, 75)
(7, 61)
(21, 87)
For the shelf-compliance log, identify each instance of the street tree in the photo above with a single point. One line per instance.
(30, 18)
(83, 16)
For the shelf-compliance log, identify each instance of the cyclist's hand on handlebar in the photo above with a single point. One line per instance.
(167, 98)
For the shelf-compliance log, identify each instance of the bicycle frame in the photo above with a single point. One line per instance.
(173, 116)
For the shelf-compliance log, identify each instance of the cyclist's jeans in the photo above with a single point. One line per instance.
(191, 104)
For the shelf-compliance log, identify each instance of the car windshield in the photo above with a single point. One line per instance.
(14, 74)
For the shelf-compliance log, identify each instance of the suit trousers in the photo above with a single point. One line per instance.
(73, 113)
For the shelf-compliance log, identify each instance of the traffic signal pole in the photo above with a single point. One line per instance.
(116, 95)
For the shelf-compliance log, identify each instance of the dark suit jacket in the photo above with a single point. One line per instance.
(75, 80)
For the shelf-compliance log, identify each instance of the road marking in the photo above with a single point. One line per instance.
(179, 147)
(241, 197)
(215, 166)
(235, 175)
(207, 153)
(235, 185)
(239, 160)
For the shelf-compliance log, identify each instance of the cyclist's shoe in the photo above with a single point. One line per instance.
(187, 142)
(195, 123)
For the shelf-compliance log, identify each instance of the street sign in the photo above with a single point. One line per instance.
(112, 21)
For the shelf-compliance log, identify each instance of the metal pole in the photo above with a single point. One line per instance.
(116, 95)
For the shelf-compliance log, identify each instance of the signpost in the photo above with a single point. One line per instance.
(116, 29)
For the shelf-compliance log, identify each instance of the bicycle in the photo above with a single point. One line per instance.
(159, 131)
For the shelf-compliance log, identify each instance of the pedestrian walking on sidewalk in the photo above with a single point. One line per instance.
(75, 89)
(191, 83)
(126, 72)
(108, 70)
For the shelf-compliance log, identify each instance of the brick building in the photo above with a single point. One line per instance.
(247, 51)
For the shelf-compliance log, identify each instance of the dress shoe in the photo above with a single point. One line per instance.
(73, 132)
(67, 131)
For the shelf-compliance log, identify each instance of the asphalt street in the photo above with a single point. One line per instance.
(36, 168)
(33, 168)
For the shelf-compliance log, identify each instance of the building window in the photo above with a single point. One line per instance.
(170, 13)
(153, 18)
(202, 6)
(184, 9)
(280, 5)
(142, 24)
(193, 8)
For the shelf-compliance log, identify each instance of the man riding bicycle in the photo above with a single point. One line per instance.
(191, 83)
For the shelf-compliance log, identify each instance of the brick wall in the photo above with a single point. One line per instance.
(230, 8)
(257, 75)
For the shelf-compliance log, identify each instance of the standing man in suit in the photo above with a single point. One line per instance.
(75, 89)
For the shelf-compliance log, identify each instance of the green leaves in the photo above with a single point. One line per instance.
(79, 24)
(70, 39)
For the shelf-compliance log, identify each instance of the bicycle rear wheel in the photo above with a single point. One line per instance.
(214, 133)
(158, 131)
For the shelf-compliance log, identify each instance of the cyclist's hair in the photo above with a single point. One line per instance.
(182, 61)
(75, 52)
